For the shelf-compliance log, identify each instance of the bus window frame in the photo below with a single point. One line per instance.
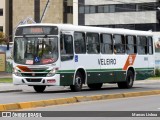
(134, 44)
(115, 50)
(65, 56)
(101, 42)
(146, 46)
(98, 52)
(85, 46)
(149, 45)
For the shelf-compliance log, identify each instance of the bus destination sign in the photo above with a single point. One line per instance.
(37, 30)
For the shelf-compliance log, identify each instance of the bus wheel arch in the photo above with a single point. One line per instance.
(133, 71)
(79, 80)
(130, 77)
(83, 73)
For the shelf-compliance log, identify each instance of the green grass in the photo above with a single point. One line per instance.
(154, 78)
(5, 80)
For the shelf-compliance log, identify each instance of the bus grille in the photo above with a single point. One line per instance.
(33, 80)
(34, 74)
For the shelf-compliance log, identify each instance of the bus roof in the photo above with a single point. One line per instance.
(70, 27)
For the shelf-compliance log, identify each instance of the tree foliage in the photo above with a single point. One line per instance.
(4, 39)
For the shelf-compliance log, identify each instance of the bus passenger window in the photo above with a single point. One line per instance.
(142, 45)
(79, 43)
(93, 46)
(106, 44)
(119, 44)
(130, 44)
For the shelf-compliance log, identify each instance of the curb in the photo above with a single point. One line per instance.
(6, 91)
(76, 99)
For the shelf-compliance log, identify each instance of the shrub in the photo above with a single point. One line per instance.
(157, 72)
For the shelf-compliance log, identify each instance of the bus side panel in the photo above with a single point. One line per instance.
(66, 79)
(113, 66)
(120, 76)
(145, 68)
(144, 74)
(93, 77)
(107, 77)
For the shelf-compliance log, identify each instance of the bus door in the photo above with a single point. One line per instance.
(67, 58)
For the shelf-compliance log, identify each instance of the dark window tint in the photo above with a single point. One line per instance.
(130, 44)
(66, 47)
(106, 9)
(146, 6)
(87, 9)
(93, 46)
(125, 7)
(119, 46)
(1, 28)
(79, 43)
(92, 9)
(142, 45)
(150, 45)
(112, 8)
(1, 12)
(69, 9)
(106, 44)
(100, 9)
(81, 9)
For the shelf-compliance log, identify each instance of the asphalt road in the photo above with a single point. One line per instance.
(28, 93)
(116, 107)
(143, 103)
(129, 106)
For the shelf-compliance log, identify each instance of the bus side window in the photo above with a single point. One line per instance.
(142, 45)
(119, 44)
(106, 44)
(66, 47)
(79, 43)
(93, 44)
(130, 44)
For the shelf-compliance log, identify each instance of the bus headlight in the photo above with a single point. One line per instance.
(51, 73)
(16, 72)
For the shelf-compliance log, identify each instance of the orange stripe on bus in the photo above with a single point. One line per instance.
(130, 61)
(24, 68)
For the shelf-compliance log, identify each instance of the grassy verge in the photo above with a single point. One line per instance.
(154, 78)
(5, 80)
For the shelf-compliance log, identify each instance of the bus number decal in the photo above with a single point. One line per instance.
(107, 61)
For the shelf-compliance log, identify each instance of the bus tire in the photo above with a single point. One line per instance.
(95, 86)
(129, 80)
(78, 83)
(39, 88)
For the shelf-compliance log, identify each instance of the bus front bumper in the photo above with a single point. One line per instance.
(48, 81)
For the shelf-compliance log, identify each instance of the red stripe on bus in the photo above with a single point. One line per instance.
(129, 62)
(24, 68)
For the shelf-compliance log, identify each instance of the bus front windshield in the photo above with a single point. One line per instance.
(35, 51)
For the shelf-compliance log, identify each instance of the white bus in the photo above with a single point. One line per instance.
(68, 55)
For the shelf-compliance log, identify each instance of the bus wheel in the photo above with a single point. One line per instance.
(95, 86)
(129, 80)
(78, 83)
(39, 88)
